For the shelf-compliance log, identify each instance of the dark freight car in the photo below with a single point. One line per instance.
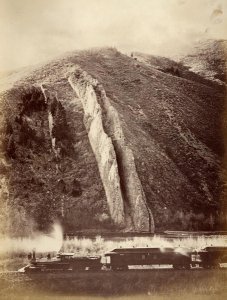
(120, 259)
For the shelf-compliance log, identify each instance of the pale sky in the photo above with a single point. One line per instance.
(35, 30)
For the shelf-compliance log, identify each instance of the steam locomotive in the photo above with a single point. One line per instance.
(62, 262)
(121, 258)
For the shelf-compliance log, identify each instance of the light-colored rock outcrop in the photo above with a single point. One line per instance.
(124, 192)
(103, 149)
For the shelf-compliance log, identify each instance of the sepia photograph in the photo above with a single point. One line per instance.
(113, 140)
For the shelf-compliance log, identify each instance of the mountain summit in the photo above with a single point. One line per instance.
(102, 141)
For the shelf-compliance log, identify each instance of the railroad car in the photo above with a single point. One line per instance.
(210, 257)
(121, 259)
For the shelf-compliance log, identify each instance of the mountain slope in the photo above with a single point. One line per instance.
(110, 142)
(208, 58)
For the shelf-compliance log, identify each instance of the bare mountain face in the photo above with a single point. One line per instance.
(102, 141)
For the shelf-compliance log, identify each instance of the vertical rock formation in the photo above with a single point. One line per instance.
(124, 192)
(103, 149)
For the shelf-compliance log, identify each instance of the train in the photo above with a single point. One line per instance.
(121, 259)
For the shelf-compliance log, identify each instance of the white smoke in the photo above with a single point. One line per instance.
(99, 245)
(54, 242)
(40, 242)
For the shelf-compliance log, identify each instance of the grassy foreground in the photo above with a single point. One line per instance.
(134, 284)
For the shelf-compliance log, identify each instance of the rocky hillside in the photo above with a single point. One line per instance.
(103, 141)
(208, 58)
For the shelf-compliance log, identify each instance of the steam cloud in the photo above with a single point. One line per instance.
(40, 242)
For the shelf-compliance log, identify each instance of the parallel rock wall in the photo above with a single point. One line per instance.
(125, 195)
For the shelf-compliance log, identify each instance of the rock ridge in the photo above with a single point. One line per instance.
(115, 159)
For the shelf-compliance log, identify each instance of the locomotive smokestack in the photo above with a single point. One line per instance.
(33, 255)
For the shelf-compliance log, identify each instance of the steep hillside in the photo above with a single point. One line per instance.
(103, 141)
